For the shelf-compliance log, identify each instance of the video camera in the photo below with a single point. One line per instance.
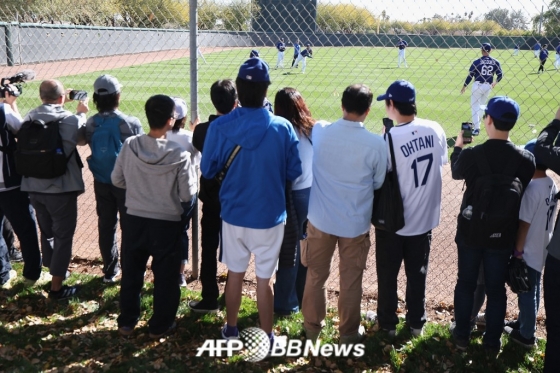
(14, 85)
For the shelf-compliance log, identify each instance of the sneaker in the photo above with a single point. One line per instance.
(417, 332)
(182, 280)
(355, 338)
(169, 331)
(390, 332)
(492, 352)
(480, 320)
(476, 132)
(42, 280)
(203, 306)
(12, 275)
(515, 336)
(126, 331)
(511, 324)
(108, 279)
(65, 292)
(230, 332)
(460, 344)
(15, 256)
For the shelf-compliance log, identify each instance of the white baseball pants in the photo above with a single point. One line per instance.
(402, 58)
(303, 61)
(280, 60)
(479, 96)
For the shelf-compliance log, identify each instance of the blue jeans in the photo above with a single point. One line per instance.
(290, 282)
(186, 216)
(528, 304)
(495, 263)
(551, 288)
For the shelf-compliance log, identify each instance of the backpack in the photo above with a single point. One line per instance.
(39, 151)
(495, 202)
(105, 147)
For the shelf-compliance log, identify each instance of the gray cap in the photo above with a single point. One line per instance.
(106, 85)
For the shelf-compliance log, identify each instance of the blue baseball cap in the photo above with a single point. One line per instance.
(400, 91)
(530, 146)
(502, 108)
(487, 47)
(254, 53)
(254, 70)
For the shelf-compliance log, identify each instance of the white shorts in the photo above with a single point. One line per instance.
(240, 242)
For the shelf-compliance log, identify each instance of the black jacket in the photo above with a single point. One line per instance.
(209, 192)
(11, 178)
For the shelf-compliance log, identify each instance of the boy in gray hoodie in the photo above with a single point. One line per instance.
(157, 176)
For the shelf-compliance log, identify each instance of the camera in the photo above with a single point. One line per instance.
(467, 127)
(77, 95)
(14, 84)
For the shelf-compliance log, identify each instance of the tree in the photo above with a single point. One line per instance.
(550, 19)
(344, 18)
(508, 20)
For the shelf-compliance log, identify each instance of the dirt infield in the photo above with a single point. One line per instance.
(443, 258)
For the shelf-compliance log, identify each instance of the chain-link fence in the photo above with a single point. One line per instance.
(148, 45)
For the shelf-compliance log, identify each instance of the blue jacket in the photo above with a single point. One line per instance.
(252, 193)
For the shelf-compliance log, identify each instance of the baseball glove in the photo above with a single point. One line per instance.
(518, 276)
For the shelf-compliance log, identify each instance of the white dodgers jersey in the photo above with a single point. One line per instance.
(420, 149)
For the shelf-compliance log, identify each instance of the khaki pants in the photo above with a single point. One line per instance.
(317, 255)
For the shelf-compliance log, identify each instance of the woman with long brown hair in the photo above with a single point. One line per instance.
(290, 282)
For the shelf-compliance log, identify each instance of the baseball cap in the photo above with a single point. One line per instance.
(254, 70)
(106, 85)
(502, 108)
(487, 47)
(180, 107)
(254, 53)
(400, 91)
(530, 146)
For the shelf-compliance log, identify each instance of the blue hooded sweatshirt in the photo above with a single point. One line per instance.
(252, 193)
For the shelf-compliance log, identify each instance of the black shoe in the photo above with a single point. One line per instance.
(204, 306)
(460, 344)
(65, 292)
(169, 331)
(15, 256)
(516, 337)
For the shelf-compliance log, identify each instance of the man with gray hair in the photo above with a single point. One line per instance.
(55, 199)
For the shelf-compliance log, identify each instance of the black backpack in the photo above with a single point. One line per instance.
(494, 206)
(40, 152)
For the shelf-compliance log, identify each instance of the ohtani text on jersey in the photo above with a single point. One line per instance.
(417, 144)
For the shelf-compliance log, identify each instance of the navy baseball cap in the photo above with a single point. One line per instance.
(400, 91)
(254, 70)
(487, 47)
(254, 53)
(530, 146)
(502, 108)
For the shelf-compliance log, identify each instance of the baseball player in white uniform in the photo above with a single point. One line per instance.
(402, 54)
(302, 56)
(281, 47)
(557, 61)
(482, 71)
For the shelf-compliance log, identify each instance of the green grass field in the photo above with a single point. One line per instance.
(437, 74)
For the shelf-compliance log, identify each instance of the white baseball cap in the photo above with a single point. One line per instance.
(180, 107)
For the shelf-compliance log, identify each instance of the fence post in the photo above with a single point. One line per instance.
(193, 45)
(9, 45)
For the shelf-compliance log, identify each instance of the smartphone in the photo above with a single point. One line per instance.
(77, 95)
(467, 132)
(388, 124)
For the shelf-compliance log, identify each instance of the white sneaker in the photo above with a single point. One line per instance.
(480, 319)
(42, 280)
(11, 277)
(111, 279)
(417, 332)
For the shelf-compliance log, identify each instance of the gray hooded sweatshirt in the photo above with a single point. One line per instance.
(157, 176)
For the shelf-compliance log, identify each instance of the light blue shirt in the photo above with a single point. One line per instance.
(349, 162)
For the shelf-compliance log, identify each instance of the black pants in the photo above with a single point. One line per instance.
(110, 201)
(8, 234)
(211, 227)
(161, 240)
(391, 250)
(541, 67)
